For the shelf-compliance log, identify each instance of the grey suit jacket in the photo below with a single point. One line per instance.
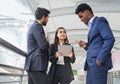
(37, 49)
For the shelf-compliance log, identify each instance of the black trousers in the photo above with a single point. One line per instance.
(37, 77)
(60, 78)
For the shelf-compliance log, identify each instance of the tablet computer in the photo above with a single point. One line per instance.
(65, 48)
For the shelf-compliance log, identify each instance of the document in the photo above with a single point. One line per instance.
(65, 48)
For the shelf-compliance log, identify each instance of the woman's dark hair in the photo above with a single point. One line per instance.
(56, 39)
(41, 12)
(82, 7)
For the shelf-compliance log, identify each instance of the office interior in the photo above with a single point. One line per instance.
(16, 16)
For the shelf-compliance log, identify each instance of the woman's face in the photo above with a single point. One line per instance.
(61, 34)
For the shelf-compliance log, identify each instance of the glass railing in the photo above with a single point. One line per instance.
(11, 64)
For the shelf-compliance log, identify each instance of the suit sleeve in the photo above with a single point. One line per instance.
(40, 38)
(52, 53)
(107, 37)
(72, 60)
(86, 46)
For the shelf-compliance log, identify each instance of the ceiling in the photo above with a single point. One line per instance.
(66, 7)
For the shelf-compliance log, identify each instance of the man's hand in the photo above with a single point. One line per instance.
(81, 43)
(98, 63)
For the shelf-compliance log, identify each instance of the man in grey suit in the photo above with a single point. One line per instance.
(37, 49)
(99, 45)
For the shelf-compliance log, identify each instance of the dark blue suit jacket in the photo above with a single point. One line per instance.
(100, 43)
(37, 49)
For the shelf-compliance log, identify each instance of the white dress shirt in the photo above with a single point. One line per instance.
(90, 22)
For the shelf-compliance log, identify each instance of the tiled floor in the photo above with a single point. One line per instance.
(77, 81)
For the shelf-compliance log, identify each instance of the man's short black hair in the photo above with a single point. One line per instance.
(41, 12)
(82, 7)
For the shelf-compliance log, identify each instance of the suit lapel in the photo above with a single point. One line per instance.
(92, 27)
(42, 30)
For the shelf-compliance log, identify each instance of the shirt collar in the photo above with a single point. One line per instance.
(91, 21)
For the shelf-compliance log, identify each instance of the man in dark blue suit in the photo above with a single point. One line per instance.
(37, 48)
(99, 45)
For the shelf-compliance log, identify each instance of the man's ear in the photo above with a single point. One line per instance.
(87, 11)
(43, 17)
